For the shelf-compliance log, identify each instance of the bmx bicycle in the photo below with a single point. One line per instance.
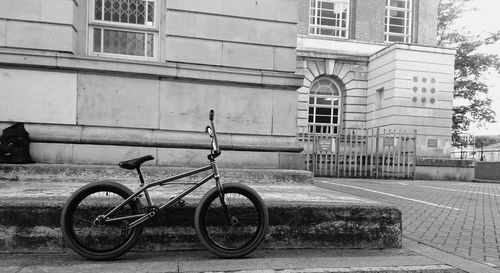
(103, 220)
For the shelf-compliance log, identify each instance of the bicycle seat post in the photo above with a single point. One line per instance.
(141, 178)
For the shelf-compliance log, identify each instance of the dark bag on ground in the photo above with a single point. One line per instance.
(14, 145)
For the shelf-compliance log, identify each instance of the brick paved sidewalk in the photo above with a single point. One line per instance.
(458, 217)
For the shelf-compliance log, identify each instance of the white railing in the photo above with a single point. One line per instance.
(358, 152)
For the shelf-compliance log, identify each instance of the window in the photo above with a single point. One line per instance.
(398, 19)
(329, 18)
(324, 106)
(123, 28)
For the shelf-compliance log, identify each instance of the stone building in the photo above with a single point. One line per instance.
(99, 81)
(375, 64)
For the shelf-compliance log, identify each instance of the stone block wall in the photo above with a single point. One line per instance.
(42, 25)
(226, 33)
(411, 87)
(237, 58)
(352, 78)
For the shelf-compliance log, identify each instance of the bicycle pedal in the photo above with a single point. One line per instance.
(180, 203)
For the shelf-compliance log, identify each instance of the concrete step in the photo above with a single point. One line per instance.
(90, 173)
(301, 214)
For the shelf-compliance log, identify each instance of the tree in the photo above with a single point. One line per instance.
(470, 68)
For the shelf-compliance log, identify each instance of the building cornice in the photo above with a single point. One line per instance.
(167, 70)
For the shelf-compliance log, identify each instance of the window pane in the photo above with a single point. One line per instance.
(123, 42)
(323, 119)
(397, 14)
(324, 90)
(327, 5)
(329, 18)
(398, 21)
(324, 94)
(98, 10)
(151, 12)
(394, 38)
(107, 11)
(324, 101)
(97, 40)
(126, 11)
(396, 29)
(150, 45)
(328, 22)
(324, 111)
(398, 3)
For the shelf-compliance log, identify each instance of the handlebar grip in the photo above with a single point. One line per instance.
(211, 116)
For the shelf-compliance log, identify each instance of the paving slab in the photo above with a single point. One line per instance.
(299, 260)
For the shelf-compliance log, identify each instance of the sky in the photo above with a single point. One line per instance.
(485, 18)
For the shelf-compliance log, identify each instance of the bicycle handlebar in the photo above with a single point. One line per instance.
(215, 150)
(211, 115)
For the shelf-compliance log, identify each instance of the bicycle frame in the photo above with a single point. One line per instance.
(141, 218)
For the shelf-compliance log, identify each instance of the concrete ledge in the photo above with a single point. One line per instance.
(90, 173)
(445, 162)
(31, 227)
(444, 169)
(301, 215)
(196, 72)
(488, 171)
(78, 134)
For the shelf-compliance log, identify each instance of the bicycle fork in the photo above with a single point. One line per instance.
(231, 220)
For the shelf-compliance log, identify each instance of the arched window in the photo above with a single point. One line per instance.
(324, 106)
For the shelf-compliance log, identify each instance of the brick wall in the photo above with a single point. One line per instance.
(303, 16)
(426, 24)
(368, 17)
(369, 25)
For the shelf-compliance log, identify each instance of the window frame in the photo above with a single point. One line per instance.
(126, 27)
(314, 28)
(407, 22)
(315, 105)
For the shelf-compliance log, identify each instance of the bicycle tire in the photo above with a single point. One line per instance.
(238, 239)
(95, 242)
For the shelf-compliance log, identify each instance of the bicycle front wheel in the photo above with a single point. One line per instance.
(94, 240)
(236, 231)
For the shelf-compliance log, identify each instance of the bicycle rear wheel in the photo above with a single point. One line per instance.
(240, 233)
(95, 241)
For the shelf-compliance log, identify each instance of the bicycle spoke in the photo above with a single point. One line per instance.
(84, 220)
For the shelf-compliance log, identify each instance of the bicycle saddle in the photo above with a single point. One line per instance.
(135, 163)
